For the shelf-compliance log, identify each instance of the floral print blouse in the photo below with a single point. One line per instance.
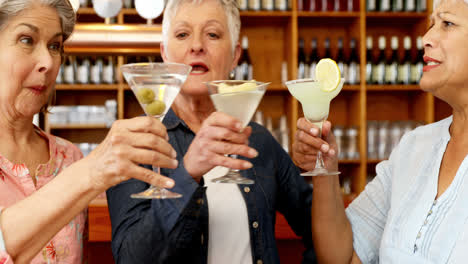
(16, 184)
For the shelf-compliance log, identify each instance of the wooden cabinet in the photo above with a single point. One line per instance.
(273, 39)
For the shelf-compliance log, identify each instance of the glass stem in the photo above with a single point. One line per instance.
(234, 156)
(319, 162)
(158, 170)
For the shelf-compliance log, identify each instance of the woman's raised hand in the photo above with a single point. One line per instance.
(307, 142)
(219, 134)
(130, 142)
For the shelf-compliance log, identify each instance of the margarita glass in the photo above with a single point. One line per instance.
(238, 99)
(316, 106)
(155, 86)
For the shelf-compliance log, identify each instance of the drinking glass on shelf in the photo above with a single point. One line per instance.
(238, 99)
(155, 86)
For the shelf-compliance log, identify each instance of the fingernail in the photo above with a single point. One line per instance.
(247, 165)
(238, 126)
(169, 184)
(175, 163)
(174, 154)
(331, 152)
(253, 153)
(324, 148)
(314, 131)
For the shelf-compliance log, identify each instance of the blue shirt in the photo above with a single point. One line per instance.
(397, 219)
(176, 230)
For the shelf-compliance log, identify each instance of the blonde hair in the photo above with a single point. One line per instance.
(437, 2)
(230, 7)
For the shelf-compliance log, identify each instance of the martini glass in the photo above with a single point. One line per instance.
(238, 99)
(155, 86)
(316, 106)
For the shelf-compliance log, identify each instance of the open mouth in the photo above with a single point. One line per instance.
(199, 68)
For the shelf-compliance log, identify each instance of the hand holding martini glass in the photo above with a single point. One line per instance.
(155, 86)
(315, 97)
(238, 99)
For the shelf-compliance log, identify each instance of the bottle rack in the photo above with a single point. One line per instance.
(273, 39)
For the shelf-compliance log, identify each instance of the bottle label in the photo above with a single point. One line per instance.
(352, 73)
(82, 74)
(369, 77)
(391, 73)
(371, 5)
(385, 5)
(69, 74)
(59, 79)
(243, 4)
(410, 5)
(96, 74)
(379, 74)
(108, 74)
(312, 70)
(404, 73)
(281, 5)
(268, 5)
(254, 5)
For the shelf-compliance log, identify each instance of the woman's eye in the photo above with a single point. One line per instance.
(26, 40)
(448, 23)
(55, 46)
(213, 35)
(181, 35)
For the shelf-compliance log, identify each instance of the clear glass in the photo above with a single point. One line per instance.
(238, 101)
(155, 86)
(316, 106)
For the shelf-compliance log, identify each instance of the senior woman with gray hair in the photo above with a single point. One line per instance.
(415, 210)
(211, 223)
(43, 196)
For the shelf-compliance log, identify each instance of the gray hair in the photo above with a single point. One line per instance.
(11, 8)
(437, 2)
(230, 7)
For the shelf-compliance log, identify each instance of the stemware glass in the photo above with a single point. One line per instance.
(238, 99)
(155, 86)
(316, 106)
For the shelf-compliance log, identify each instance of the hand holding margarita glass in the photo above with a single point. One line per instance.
(315, 97)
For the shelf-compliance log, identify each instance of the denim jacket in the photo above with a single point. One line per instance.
(176, 230)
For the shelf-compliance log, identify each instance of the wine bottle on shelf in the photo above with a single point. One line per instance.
(384, 6)
(59, 79)
(281, 5)
(84, 3)
(313, 59)
(327, 48)
(324, 5)
(128, 4)
(418, 63)
(301, 59)
(404, 69)
(69, 70)
(397, 5)
(378, 75)
(243, 5)
(244, 70)
(391, 68)
(410, 5)
(353, 64)
(371, 5)
(336, 6)
(83, 70)
(300, 5)
(350, 6)
(254, 5)
(268, 5)
(108, 70)
(96, 70)
(369, 60)
(340, 59)
(312, 5)
(421, 6)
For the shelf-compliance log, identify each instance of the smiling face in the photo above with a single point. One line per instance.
(30, 46)
(199, 36)
(446, 50)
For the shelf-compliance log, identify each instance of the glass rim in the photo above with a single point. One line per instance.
(131, 66)
(306, 80)
(216, 82)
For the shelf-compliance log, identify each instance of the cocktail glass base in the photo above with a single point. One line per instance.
(233, 177)
(156, 193)
(320, 172)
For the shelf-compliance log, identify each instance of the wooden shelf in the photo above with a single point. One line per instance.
(397, 87)
(373, 161)
(87, 87)
(414, 15)
(265, 13)
(86, 11)
(79, 126)
(329, 14)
